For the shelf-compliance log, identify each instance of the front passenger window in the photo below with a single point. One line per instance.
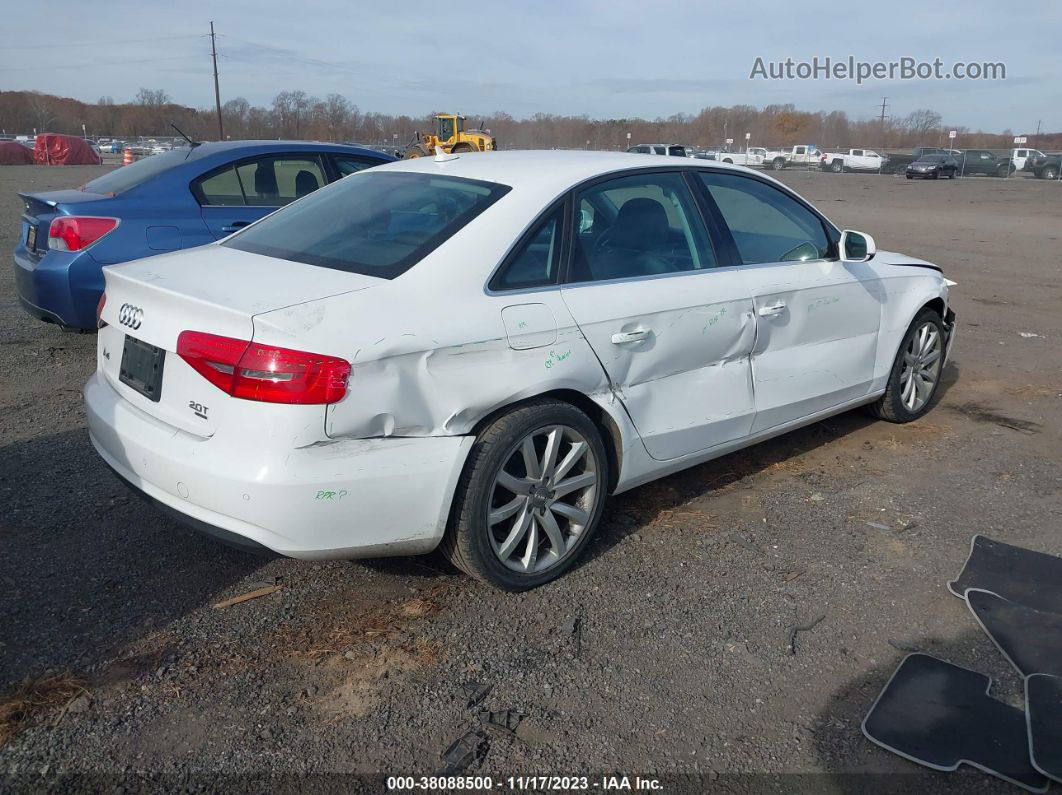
(767, 224)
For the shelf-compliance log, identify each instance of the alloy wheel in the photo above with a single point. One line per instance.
(922, 361)
(542, 499)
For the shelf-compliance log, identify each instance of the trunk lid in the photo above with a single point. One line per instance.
(39, 209)
(211, 289)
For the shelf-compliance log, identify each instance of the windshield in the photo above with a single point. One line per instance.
(373, 223)
(128, 177)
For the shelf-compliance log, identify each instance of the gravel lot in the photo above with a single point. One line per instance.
(664, 653)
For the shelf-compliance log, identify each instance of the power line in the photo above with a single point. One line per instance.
(89, 64)
(71, 44)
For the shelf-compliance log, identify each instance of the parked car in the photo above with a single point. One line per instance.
(803, 155)
(982, 161)
(933, 167)
(1047, 166)
(300, 386)
(674, 150)
(897, 162)
(179, 199)
(838, 160)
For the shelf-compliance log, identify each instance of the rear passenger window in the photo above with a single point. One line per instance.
(642, 225)
(349, 165)
(221, 189)
(276, 181)
(536, 263)
(767, 225)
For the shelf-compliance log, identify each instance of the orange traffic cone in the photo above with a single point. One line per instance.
(127, 157)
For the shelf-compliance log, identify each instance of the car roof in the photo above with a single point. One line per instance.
(238, 148)
(550, 171)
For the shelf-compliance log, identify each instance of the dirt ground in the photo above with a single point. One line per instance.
(664, 653)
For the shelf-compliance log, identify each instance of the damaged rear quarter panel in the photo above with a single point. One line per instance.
(429, 350)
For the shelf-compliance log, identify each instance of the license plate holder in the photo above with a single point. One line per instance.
(31, 237)
(141, 367)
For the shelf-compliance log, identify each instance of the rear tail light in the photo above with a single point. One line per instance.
(99, 311)
(69, 233)
(252, 371)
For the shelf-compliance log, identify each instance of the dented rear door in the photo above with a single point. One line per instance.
(676, 350)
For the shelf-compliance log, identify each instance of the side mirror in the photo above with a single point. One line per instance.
(856, 246)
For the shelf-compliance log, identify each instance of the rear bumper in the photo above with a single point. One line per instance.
(60, 287)
(340, 499)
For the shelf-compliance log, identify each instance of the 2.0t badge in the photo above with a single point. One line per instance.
(131, 316)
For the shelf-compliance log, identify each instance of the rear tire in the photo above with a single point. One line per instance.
(836, 166)
(1049, 172)
(512, 523)
(896, 404)
(778, 163)
(462, 147)
(418, 150)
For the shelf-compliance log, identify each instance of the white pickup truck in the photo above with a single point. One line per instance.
(753, 157)
(840, 160)
(1024, 159)
(802, 155)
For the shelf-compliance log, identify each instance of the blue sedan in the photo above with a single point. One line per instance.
(179, 199)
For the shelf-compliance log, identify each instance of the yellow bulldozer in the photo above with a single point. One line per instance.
(451, 135)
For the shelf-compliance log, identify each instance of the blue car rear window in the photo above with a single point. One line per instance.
(128, 177)
(377, 223)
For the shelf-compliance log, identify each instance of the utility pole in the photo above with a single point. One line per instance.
(1037, 132)
(217, 91)
(883, 141)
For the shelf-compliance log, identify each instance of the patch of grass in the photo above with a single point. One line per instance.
(34, 697)
(349, 627)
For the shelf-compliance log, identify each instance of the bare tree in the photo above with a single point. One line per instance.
(337, 113)
(43, 109)
(152, 97)
(290, 108)
(921, 123)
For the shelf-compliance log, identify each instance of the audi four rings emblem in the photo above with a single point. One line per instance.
(131, 316)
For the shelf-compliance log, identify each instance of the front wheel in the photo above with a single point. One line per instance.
(778, 164)
(530, 497)
(837, 167)
(1050, 172)
(915, 374)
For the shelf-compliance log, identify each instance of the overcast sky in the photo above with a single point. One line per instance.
(602, 58)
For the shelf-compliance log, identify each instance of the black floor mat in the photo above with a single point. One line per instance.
(1043, 706)
(1031, 640)
(1020, 575)
(941, 716)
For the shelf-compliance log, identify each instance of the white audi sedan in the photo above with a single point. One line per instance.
(473, 351)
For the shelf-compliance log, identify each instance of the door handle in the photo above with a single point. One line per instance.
(235, 225)
(772, 309)
(630, 336)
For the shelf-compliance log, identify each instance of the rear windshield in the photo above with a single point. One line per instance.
(373, 223)
(128, 177)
